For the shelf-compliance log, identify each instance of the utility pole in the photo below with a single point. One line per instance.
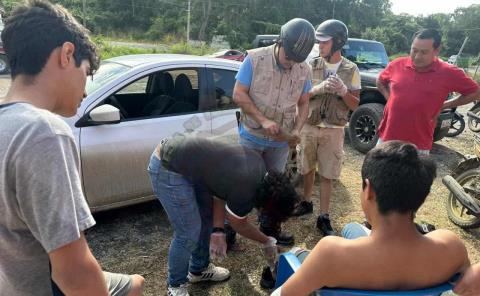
(333, 10)
(188, 22)
(84, 12)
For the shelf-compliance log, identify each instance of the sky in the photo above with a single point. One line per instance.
(426, 7)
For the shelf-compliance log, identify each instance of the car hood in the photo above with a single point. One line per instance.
(369, 76)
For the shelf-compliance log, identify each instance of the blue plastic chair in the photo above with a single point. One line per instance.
(288, 263)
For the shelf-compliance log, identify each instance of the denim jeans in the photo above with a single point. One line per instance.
(355, 230)
(189, 210)
(275, 158)
(352, 230)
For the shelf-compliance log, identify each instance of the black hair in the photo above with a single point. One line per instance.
(276, 196)
(429, 34)
(35, 29)
(400, 178)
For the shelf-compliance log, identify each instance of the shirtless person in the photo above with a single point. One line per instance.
(395, 256)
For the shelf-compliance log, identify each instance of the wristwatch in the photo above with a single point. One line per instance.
(218, 229)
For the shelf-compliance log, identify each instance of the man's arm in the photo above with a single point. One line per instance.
(218, 212)
(351, 99)
(469, 284)
(316, 271)
(383, 89)
(246, 229)
(245, 102)
(302, 115)
(462, 100)
(76, 271)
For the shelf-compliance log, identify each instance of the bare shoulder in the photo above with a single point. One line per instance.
(444, 236)
(449, 240)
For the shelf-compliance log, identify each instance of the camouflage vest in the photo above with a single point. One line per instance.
(275, 92)
(326, 107)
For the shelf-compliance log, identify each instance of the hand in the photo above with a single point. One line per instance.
(270, 127)
(271, 252)
(294, 139)
(218, 246)
(337, 86)
(320, 88)
(469, 283)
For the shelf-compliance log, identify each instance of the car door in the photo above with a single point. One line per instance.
(115, 156)
(223, 109)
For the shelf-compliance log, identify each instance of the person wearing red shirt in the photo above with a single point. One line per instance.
(416, 87)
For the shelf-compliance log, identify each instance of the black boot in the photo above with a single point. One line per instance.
(274, 229)
(303, 208)
(324, 225)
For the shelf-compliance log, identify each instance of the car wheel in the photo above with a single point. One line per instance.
(364, 125)
(474, 125)
(3, 64)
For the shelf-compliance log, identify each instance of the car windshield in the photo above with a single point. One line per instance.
(105, 73)
(366, 54)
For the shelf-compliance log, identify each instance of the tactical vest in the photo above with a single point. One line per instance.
(327, 107)
(275, 92)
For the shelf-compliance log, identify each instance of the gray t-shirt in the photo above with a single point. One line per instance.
(42, 206)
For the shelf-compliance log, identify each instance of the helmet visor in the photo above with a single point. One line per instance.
(322, 38)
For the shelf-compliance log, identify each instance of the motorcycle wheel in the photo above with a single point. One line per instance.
(457, 126)
(474, 125)
(457, 213)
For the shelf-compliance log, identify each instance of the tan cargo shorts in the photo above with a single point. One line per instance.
(323, 147)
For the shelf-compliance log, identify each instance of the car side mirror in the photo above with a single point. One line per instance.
(104, 114)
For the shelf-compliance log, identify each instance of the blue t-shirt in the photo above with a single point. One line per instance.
(244, 76)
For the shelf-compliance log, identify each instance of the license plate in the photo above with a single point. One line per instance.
(446, 123)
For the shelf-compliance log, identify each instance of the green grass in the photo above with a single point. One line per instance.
(108, 50)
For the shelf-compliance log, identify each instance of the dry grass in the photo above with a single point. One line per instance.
(136, 240)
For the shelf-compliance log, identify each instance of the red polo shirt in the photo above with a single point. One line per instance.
(416, 99)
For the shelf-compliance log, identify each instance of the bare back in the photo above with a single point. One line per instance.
(381, 263)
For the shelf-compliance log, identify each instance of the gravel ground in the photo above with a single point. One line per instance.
(136, 239)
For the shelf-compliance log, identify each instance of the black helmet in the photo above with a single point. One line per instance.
(333, 29)
(297, 37)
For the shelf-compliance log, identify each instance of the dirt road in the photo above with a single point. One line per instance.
(136, 239)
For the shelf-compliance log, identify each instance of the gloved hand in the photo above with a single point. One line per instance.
(271, 252)
(218, 246)
(336, 85)
(320, 88)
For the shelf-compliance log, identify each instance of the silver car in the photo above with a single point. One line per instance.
(135, 101)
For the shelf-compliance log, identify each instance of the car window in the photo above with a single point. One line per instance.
(365, 52)
(139, 86)
(107, 72)
(223, 82)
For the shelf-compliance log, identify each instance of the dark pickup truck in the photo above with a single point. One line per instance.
(371, 58)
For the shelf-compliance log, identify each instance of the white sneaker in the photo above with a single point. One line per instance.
(212, 273)
(178, 291)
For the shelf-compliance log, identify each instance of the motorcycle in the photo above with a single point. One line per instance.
(473, 124)
(457, 126)
(463, 202)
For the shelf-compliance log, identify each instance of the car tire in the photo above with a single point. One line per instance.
(3, 64)
(363, 126)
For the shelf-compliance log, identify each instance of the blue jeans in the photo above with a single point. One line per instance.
(275, 158)
(352, 230)
(355, 230)
(189, 210)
